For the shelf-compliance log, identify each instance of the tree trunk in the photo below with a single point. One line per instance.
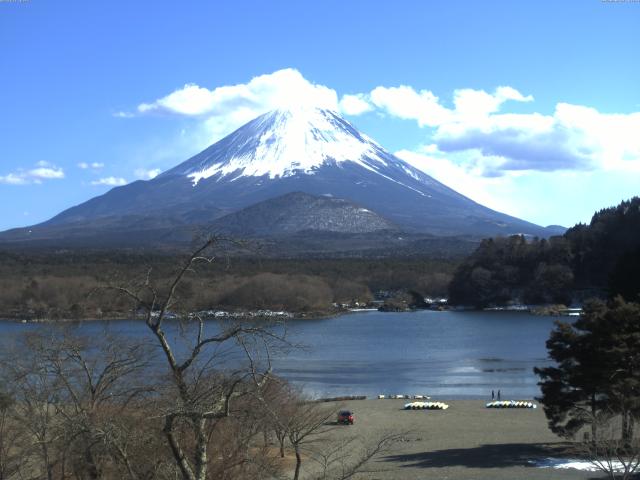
(296, 474)
(281, 447)
(176, 450)
(47, 463)
(594, 423)
(92, 468)
(625, 427)
(201, 449)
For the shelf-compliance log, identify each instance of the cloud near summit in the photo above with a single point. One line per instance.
(474, 130)
(282, 89)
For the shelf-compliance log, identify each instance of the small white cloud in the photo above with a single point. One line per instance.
(110, 181)
(145, 174)
(406, 103)
(43, 171)
(123, 114)
(354, 104)
(510, 93)
(188, 100)
(93, 165)
(13, 179)
(46, 173)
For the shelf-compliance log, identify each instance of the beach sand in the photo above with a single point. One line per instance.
(467, 441)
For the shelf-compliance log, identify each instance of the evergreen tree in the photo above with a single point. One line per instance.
(597, 369)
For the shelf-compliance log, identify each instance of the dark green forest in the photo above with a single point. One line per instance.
(601, 259)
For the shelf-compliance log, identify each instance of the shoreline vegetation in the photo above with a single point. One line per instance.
(71, 285)
(538, 310)
(598, 260)
(512, 273)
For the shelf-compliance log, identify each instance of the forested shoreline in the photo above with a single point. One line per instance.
(600, 259)
(68, 285)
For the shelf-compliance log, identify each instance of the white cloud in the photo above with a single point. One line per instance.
(573, 137)
(282, 89)
(43, 171)
(426, 108)
(354, 104)
(93, 165)
(146, 174)
(122, 114)
(464, 176)
(476, 128)
(110, 181)
(224, 109)
(477, 104)
(13, 179)
(188, 100)
(405, 102)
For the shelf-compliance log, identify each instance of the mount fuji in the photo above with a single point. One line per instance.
(309, 151)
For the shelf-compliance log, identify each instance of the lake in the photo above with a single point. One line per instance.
(442, 354)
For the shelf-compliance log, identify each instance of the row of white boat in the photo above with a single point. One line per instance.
(511, 404)
(426, 406)
(444, 406)
(403, 397)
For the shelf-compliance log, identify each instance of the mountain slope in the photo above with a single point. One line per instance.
(299, 212)
(308, 150)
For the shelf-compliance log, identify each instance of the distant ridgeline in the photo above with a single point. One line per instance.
(600, 258)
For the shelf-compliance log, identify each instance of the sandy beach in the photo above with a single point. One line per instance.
(466, 441)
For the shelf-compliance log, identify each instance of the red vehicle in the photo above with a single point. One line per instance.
(345, 417)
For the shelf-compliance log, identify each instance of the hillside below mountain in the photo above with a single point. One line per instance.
(298, 212)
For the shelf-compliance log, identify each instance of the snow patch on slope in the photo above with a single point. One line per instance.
(287, 142)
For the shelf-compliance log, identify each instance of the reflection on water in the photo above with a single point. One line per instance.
(442, 354)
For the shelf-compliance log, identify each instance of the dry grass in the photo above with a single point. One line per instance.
(467, 441)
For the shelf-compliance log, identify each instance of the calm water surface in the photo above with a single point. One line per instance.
(441, 354)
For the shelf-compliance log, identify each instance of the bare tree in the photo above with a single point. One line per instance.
(280, 403)
(344, 458)
(198, 400)
(75, 401)
(11, 437)
(103, 407)
(36, 393)
(612, 452)
(98, 384)
(308, 422)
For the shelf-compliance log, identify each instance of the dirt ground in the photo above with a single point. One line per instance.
(467, 441)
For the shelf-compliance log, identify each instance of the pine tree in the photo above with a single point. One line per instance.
(597, 369)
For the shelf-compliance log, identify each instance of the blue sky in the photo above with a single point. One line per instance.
(528, 107)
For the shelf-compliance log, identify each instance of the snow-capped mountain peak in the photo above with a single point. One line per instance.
(282, 143)
(312, 152)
